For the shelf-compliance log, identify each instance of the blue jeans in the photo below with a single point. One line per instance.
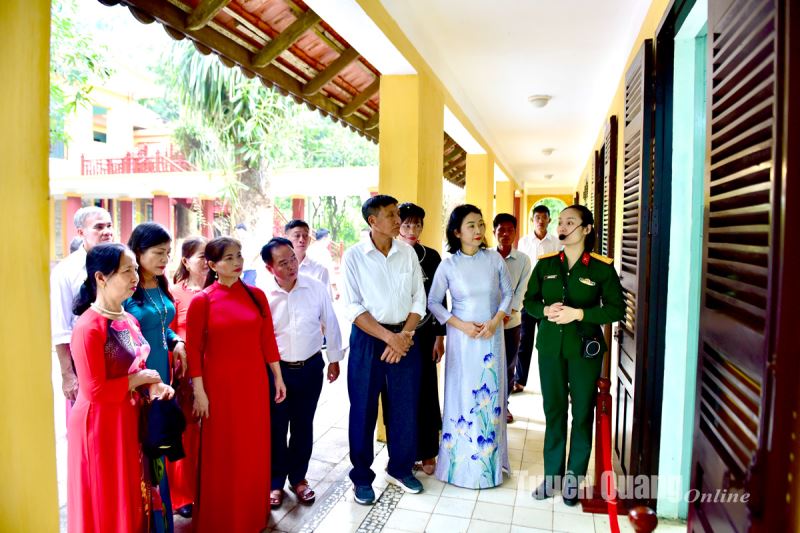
(367, 376)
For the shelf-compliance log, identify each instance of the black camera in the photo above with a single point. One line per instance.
(591, 347)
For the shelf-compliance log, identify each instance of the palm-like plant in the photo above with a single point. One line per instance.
(234, 123)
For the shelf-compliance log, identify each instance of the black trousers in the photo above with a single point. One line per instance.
(511, 336)
(525, 352)
(294, 418)
(367, 376)
(429, 418)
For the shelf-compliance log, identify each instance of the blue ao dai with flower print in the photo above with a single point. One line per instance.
(474, 449)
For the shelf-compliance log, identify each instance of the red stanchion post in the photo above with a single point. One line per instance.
(596, 503)
(643, 519)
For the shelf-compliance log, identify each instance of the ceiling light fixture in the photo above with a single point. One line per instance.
(548, 151)
(539, 100)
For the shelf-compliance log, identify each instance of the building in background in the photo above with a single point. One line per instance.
(120, 156)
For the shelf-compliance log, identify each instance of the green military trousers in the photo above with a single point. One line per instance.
(577, 378)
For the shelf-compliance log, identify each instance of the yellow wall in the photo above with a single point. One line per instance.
(28, 493)
(504, 197)
(617, 107)
(480, 187)
(411, 146)
(568, 199)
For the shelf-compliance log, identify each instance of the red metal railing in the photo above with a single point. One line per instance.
(139, 162)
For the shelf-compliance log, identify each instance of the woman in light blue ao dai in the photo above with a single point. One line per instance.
(474, 449)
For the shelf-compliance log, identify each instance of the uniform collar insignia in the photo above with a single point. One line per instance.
(585, 258)
(561, 256)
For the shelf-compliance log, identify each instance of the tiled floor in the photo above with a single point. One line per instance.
(440, 508)
(508, 508)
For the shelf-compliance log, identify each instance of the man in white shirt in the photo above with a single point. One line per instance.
(384, 297)
(301, 311)
(297, 231)
(534, 245)
(519, 270)
(93, 225)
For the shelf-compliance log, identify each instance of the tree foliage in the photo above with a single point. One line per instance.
(337, 214)
(227, 121)
(77, 64)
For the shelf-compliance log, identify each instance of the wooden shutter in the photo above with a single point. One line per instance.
(590, 184)
(585, 196)
(741, 219)
(599, 200)
(632, 330)
(608, 215)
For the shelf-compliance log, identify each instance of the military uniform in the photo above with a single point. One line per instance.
(593, 286)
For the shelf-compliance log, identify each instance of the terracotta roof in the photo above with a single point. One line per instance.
(289, 48)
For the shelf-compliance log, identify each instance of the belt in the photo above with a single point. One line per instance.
(394, 328)
(300, 364)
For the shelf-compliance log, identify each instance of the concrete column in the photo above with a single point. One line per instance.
(28, 498)
(71, 206)
(299, 208)
(480, 187)
(504, 197)
(125, 219)
(520, 218)
(162, 211)
(208, 218)
(411, 147)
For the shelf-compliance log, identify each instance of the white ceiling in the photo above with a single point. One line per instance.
(492, 55)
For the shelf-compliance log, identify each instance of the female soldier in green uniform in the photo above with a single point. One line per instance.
(576, 291)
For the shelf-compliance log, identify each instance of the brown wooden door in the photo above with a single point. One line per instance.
(605, 189)
(608, 214)
(741, 258)
(632, 330)
(599, 200)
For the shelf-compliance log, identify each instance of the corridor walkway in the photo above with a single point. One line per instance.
(441, 508)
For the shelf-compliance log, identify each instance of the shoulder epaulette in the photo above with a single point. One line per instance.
(545, 256)
(604, 259)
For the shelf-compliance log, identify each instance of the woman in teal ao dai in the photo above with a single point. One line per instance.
(474, 450)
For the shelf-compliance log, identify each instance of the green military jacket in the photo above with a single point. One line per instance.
(592, 285)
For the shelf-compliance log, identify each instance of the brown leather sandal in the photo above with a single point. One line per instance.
(276, 498)
(304, 492)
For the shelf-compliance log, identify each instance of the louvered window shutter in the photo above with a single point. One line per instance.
(608, 215)
(599, 205)
(741, 206)
(631, 332)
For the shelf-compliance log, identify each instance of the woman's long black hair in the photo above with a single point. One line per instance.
(104, 258)
(215, 250)
(586, 219)
(188, 249)
(145, 236)
(454, 224)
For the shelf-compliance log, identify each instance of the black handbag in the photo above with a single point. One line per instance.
(161, 428)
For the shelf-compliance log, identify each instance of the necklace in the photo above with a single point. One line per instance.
(162, 318)
(103, 310)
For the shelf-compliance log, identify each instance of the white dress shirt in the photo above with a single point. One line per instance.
(309, 267)
(301, 317)
(65, 283)
(315, 270)
(519, 270)
(387, 287)
(534, 247)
